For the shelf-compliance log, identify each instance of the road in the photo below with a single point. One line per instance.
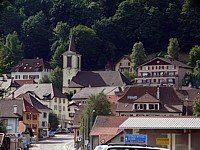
(59, 142)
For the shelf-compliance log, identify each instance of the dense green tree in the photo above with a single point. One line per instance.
(196, 106)
(173, 48)
(92, 53)
(60, 43)
(56, 77)
(45, 79)
(196, 73)
(194, 55)
(10, 52)
(138, 55)
(35, 36)
(53, 120)
(10, 20)
(96, 105)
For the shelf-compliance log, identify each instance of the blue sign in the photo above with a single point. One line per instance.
(139, 139)
(88, 146)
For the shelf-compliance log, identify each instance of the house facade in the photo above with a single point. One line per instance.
(124, 64)
(12, 114)
(162, 71)
(31, 69)
(43, 124)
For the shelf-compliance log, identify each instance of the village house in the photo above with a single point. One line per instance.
(124, 64)
(150, 101)
(43, 118)
(50, 96)
(162, 71)
(31, 69)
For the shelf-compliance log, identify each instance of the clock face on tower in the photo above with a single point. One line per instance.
(68, 72)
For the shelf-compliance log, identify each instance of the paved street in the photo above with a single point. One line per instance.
(59, 142)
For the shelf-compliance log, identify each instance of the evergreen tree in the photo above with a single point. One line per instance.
(138, 55)
(173, 48)
(53, 120)
(196, 106)
(194, 55)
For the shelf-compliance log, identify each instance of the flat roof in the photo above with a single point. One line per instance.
(161, 123)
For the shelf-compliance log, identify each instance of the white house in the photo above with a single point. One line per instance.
(31, 69)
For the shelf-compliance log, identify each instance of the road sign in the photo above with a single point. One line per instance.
(140, 139)
(162, 141)
(88, 146)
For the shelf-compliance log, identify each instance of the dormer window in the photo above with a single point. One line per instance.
(146, 106)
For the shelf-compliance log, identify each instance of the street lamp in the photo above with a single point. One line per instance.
(186, 99)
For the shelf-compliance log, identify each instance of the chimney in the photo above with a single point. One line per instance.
(15, 109)
(158, 92)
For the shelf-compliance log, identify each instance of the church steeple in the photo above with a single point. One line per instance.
(72, 44)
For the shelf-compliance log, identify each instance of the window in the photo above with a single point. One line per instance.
(44, 123)
(63, 101)
(59, 100)
(25, 76)
(55, 107)
(5, 121)
(55, 100)
(31, 77)
(44, 115)
(69, 61)
(60, 108)
(141, 106)
(63, 108)
(28, 116)
(151, 106)
(17, 76)
(34, 116)
(71, 114)
(34, 126)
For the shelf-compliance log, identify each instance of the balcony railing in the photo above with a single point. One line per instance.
(153, 76)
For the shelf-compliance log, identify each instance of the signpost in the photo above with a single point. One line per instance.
(138, 139)
(162, 141)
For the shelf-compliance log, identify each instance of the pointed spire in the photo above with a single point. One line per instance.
(72, 44)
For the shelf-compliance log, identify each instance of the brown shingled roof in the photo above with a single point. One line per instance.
(168, 98)
(31, 65)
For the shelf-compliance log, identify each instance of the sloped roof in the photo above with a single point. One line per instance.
(87, 91)
(107, 124)
(161, 123)
(77, 116)
(31, 65)
(22, 82)
(169, 61)
(124, 56)
(98, 79)
(33, 101)
(40, 90)
(7, 108)
(168, 98)
(29, 108)
(147, 98)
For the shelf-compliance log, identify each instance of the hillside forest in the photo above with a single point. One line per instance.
(104, 30)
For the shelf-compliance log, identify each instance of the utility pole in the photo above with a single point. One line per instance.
(91, 123)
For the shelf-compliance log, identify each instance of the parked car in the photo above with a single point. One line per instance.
(101, 147)
(52, 133)
(126, 147)
(61, 131)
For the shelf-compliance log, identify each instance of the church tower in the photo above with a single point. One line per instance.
(71, 64)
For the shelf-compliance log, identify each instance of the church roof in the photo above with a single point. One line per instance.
(99, 79)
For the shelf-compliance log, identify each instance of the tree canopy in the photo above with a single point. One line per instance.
(173, 48)
(109, 26)
(196, 107)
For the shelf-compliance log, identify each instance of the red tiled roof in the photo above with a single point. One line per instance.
(22, 82)
(29, 108)
(147, 98)
(107, 124)
(112, 98)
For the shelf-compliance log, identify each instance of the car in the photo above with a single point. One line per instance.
(52, 133)
(128, 147)
(71, 130)
(101, 147)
